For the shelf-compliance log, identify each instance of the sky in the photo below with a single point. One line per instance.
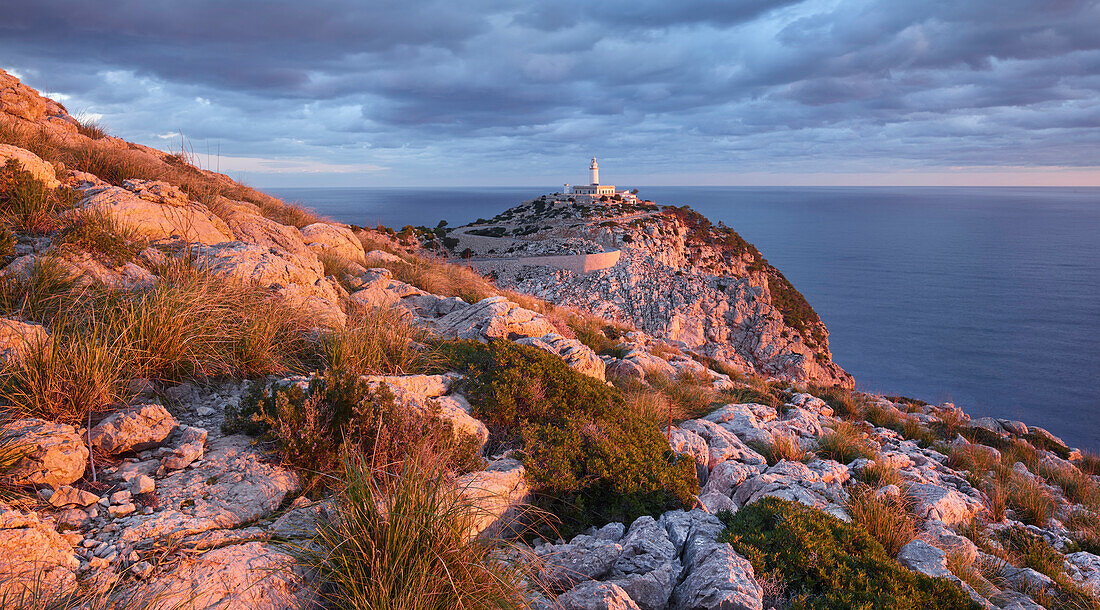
(514, 92)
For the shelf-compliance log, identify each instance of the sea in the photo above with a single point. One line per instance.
(986, 297)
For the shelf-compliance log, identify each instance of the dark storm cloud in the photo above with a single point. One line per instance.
(455, 86)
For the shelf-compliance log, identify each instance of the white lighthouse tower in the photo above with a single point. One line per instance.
(594, 169)
(595, 189)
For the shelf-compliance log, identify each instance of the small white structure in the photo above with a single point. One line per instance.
(595, 189)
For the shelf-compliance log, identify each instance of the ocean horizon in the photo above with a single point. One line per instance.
(985, 296)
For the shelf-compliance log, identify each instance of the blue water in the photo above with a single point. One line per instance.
(989, 297)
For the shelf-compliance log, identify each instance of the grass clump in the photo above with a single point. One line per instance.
(376, 341)
(690, 396)
(829, 564)
(784, 446)
(597, 334)
(400, 541)
(1030, 499)
(1089, 463)
(886, 519)
(844, 443)
(879, 474)
(845, 402)
(590, 459)
(42, 294)
(27, 203)
(98, 231)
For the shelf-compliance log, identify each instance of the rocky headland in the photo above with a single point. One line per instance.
(212, 399)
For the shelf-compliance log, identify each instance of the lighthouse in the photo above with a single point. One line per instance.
(594, 169)
(595, 190)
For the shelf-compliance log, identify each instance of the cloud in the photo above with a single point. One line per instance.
(441, 91)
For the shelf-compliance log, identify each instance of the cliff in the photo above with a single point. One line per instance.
(679, 277)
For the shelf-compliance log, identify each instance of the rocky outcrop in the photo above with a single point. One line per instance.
(501, 492)
(577, 355)
(327, 238)
(23, 103)
(157, 210)
(50, 454)
(494, 317)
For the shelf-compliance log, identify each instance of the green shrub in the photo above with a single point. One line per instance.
(590, 459)
(829, 564)
(311, 426)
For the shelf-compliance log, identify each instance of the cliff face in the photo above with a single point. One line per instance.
(679, 277)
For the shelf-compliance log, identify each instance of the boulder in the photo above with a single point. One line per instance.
(66, 496)
(722, 444)
(728, 476)
(188, 448)
(22, 103)
(718, 578)
(593, 595)
(137, 428)
(52, 454)
(322, 237)
(254, 229)
(922, 557)
(30, 162)
(686, 442)
(943, 504)
(501, 492)
(1089, 567)
(33, 556)
(235, 484)
(157, 210)
(494, 317)
(584, 558)
(577, 355)
(253, 575)
(18, 338)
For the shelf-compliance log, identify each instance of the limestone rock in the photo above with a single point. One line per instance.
(944, 504)
(722, 444)
(427, 393)
(249, 576)
(23, 103)
(188, 449)
(299, 278)
(32, 555)
(577, 355)
(494, 317)
(1089, 567)
(52, 454)
(18, 338)
(718, 578)
(500, 492)
(584, 558)
(234, 485)
(922, 557)
(257, 230)
(333, 239)
(65, 496)
(728, 476)
(137, 428)
(593, 595)
(155, 210)
(29, 162)
(686, 442)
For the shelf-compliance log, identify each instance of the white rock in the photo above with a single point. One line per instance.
(52, 454)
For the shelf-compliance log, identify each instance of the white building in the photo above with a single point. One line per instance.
(596, 190)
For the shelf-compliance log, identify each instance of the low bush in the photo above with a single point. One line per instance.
(829, 564)
(310, 424)
(590, 459)
(400, 542)
(844, 443)
(886, 519)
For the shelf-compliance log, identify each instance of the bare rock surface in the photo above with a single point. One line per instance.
(596, 596)
(52, 454)
(17, 338)
(494, 317)
(233, 485)
(323, 237)
(158, 210)
(33, 556)
(577, 355)
(249, 576)
(501, 491)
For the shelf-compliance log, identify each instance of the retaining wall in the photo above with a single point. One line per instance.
(577, 263)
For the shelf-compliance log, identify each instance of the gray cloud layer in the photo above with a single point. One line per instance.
(440, 91)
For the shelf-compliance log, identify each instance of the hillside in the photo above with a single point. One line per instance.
(212, 399)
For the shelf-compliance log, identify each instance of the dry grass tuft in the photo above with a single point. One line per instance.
(880, 474)
(27, 203)
(844, 443)
(887, 520)
(784, 446)
(401, 542)
(689, 396)
(1030, 499)
(98, 231)
(377, 341)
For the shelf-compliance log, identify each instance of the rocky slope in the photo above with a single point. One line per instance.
(679, 278)
(152, 503)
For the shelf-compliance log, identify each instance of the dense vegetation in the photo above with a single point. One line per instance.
(826, 563)
(590, 459)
